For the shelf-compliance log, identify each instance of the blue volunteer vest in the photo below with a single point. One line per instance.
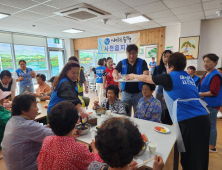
(159, 88)
(196, 79)
(213, 101)
(184, 87)
(99, 74)
(152, 64)
(27, 77)
(139, 72)
(54, 97)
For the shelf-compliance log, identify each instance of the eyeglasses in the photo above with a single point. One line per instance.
(133, 54)
(145, 89)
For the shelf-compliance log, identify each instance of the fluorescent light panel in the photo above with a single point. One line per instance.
(3, 15)
(72, 31)
(135, 20)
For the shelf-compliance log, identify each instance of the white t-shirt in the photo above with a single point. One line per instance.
(13, 87)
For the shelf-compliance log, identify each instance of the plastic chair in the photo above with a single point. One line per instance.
(127, 108)
(163, 115)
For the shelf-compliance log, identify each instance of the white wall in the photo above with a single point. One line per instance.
(210, 40)
(172, 35)
(191, 28)
(69, 46)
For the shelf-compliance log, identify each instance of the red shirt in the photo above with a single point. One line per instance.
(64, 153)
(214, 86)
(109, 77)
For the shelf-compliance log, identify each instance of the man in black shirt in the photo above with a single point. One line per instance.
(131, 91)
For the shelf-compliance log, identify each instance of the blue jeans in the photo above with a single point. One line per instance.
(131, 99)
(23, 89)
(213, 122)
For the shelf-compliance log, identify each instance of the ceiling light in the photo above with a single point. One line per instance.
(136, 19)
(3, 15)
(73, 31)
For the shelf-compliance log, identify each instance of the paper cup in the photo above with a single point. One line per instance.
(108, 113)
(152, 147)
(47, 101)
(124, 76)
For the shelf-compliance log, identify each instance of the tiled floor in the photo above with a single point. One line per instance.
(215, 162)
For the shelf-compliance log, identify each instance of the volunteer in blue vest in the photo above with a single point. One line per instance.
(161, 69)
(211, 92)
(81, 79)
(99, 78)
(65, 88)
(187, 110)
(152, 66)
(191, 71)
(131, 91)
(24, 76)
(7, 83)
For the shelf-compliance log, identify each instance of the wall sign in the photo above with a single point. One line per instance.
(117, 44)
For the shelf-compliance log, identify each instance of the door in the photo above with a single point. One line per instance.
(56, 62)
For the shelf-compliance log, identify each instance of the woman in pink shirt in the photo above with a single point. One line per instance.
(43, 87)
(61, 151)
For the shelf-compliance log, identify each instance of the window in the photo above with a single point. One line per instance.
(56, 60)
(98, 56)
(86, 59)
(51, 43)
(6, 57)
(34, 56)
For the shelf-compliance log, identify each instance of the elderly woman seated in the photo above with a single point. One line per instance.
(118, 141)
(43, 87)
(23, 136)
(112, 102)
(148, 107)
(61, 151)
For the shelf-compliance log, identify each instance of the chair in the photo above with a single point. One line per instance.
(127, 108)
(163, 115)
(86, 100)
(92, 84)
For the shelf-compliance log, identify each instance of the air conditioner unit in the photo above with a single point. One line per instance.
(82, 12)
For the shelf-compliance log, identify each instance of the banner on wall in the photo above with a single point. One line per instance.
(117, 44)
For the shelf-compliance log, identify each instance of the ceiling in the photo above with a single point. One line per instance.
(26, 13)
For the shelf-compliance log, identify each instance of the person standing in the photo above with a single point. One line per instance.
(7, 83)
(99, 78)
(81, 79)
(219, 114)
(211, 92)
(187, 110)
(131, 91)
(191, 71)
(108, 76)
(24, 77)
(152, 66)
(161, 69)
(105, 62)
(65, 88)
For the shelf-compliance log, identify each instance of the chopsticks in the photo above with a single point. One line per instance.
(145, 162)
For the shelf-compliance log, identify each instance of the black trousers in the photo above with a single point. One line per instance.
(167, 120)
(196, 136)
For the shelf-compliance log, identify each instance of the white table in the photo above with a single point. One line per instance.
(165, 142)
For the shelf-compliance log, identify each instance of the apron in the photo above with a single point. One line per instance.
(173, 114)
